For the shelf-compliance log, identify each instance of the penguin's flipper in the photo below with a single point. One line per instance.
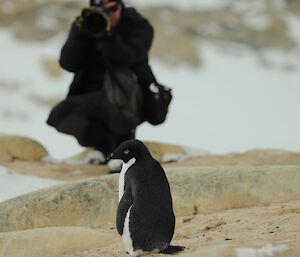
(124, 205)
(173, 249)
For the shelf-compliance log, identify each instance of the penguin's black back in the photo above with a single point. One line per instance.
(152, 220)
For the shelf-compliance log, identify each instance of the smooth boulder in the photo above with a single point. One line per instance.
(20, 148)
(195, 190)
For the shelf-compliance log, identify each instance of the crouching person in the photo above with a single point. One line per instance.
(107, 50)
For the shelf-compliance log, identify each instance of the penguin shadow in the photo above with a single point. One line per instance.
(145, 217)
(173, 249)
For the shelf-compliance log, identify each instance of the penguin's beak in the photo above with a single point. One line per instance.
(109, 157)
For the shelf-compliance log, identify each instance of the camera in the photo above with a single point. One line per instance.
(96, 21)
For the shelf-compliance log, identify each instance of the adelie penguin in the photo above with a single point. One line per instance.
(145, 217)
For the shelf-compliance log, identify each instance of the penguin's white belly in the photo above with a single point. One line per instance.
(124, 169)
(128, 243)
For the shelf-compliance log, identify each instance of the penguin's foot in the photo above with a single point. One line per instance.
(173, 249)
(95, 157)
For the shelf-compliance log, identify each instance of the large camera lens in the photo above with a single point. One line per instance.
(96, 22)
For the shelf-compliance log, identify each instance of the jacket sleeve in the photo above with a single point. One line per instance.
(75, 50)
(134, 48)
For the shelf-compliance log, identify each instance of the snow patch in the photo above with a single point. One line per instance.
(257, 22)
(46, 22)
(68, 161)
(189, 153)
(95, 157)
(13, 184)
(77, 172)
(268, 250)
(293, 26)
(52, 160)
(114, 165)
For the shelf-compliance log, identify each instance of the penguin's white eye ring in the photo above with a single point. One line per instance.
(126, 151)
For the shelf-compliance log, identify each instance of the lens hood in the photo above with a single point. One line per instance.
(97, 22)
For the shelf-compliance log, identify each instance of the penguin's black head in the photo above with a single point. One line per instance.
(130, 149)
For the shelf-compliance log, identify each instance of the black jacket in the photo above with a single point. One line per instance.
(127, 47)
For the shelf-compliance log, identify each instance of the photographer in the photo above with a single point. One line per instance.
(107, 42)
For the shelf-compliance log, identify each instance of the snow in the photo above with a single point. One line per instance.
(13, 184)
(46, 23)
(293, 28)
(114, 165)
(268, 250)
(257, 22)
(231, 104)
(189, 153)
(77, 172)
(95, 157)
(20, 63)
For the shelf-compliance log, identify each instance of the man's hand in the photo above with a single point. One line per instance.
(80, 19)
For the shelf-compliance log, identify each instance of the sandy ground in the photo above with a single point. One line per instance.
(218, 234)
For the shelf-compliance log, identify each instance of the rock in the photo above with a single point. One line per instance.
(52, 68)
(165, 153)
(212, 189)
(52, 242)
(250, 158)
(249, 228)
(195, 190)
(90, 202)
(20, 148)
(158, 150)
